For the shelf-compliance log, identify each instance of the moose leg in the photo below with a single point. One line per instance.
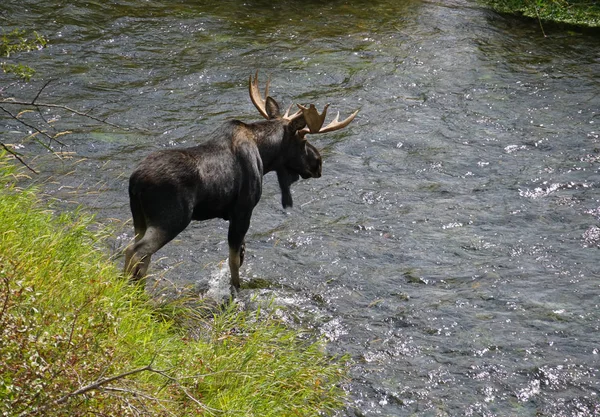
(137, 261)
(157, 219)
(139, 227)
(242, 253)
(238, 227)
(137, 257)
(234, 266)
(286, 179)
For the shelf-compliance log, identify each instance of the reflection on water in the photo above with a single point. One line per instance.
(451, 246)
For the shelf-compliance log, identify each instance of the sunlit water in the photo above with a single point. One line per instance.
(452, 244)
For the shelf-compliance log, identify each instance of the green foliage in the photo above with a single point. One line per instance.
(576, 12)
(76, 339)
(15, 42)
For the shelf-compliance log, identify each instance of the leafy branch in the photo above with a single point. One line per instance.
(17, 41)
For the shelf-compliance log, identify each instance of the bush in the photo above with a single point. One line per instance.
(75, 339)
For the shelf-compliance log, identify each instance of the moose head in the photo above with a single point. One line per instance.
(302, 159)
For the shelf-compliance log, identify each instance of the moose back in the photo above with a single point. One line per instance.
(222, 178)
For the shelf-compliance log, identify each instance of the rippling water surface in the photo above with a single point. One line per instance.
(452, 244)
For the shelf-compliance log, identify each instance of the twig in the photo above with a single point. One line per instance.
(30, 126)
(139, 394)
(100, 382)
(16, 156)
(537, 12)
(191, 397)
(5, 304)
(60, 106)
(6, 87)
(132, 392)
(39, 106)
(74, 322)
(41, 89)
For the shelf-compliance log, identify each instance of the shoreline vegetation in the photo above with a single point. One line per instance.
(76, 339)
(582, 13)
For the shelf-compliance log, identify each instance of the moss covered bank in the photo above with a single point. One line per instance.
(584, 13)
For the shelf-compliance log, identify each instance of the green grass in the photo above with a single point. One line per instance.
(77, 340)
(576, 12)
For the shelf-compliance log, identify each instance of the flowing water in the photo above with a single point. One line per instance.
(451, 246)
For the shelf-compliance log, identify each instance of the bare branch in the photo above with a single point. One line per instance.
(100, 382)
(5, 304)
(100, 385)
(41, 89)
(17, 157)
(34, 105)
(185, 391)
(6, 87)
(29, 126)
(132, 392)
(77, 313)
(139, 394)
(60, 106)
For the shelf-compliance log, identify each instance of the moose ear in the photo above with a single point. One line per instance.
(298, 122)
(272, 108)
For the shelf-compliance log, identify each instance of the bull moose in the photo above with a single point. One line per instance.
(222, 177)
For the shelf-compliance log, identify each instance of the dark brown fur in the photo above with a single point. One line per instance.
(221, 178)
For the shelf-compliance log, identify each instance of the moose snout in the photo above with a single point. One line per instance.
(318, 170)
(306, 175)
(314, 172)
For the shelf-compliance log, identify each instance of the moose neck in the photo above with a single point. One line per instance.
(269, 137)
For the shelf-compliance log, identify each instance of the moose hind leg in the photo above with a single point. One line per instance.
(137, 256)
(139, 226)
(131, 258)
(137, 261)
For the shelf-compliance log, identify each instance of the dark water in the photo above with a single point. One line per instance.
(452, 244)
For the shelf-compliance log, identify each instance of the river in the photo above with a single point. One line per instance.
(451, 246)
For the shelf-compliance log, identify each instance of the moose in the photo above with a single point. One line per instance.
(222, 178)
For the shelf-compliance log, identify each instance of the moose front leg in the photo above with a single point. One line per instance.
(235, 261)
(286, 179)
(237, 248)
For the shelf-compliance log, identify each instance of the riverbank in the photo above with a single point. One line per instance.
(76, 339)
(578, 13)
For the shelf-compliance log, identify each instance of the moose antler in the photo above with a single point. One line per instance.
(287, 115)
(261, 103)
(257, 100)
(315, 121)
